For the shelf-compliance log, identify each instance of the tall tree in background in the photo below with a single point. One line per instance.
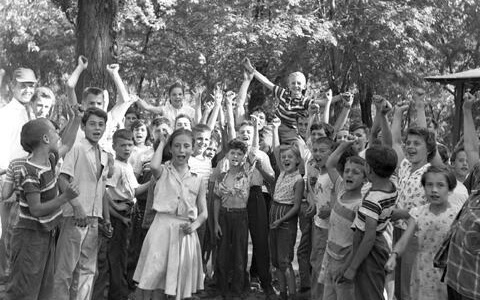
(96, 39)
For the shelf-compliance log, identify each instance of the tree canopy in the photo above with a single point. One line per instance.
(371, 47)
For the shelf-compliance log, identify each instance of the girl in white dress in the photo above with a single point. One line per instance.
(429, 224)
(170, 262)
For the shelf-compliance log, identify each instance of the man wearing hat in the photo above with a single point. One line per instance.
(12, 117)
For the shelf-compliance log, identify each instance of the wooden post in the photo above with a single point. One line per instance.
(458, 118)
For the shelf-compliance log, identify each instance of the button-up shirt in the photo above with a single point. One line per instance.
(80, 164)
(12, 118)
(172, 113)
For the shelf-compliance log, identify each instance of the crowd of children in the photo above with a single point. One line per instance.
(111, 205)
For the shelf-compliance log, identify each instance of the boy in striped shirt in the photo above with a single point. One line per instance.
(33, 240)
(291, 102)
(371, 250)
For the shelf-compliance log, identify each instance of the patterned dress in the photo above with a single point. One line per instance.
(431, 230)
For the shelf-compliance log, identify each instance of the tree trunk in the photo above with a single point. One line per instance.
(366, 95)
(96, 40)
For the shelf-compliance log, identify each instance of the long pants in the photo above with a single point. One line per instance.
(403, 271)
(112, 264)
(137, 236)
(76, 260)
(258, 227)
(32, 265)
(370, 277)
(9, 217)
(319, 243)
(232, 251)
(304, 247)
(333, 290)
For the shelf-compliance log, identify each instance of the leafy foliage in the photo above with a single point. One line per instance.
(373, 47)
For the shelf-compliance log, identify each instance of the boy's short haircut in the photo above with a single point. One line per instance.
(32, 133)
(358, 125)
(92, 91)
(124, 134)
(325, 140)
(297, 74)
(259, 109)
(161, 120)
(201, 128)
(95, 112)
(429, 138)
(183, 116)
(455, 152)
(176, 85)
(237, 144)
(382, 160)
(441, 169)
(43, 92)
(132, 110)
(246, 123)
(443, 152)
(329, 130)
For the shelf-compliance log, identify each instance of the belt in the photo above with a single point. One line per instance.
(232, 209)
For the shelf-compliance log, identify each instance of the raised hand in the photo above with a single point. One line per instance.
(402, 106)
(418, 93)
(229, 97)
(347, 99)
(113, 68)
(313, 109)
(329, 95)
(82, 62)
(247, 75)
(248, 65)
(276, 122)
(468, 100)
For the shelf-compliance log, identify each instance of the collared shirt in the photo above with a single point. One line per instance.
(234, 191)
(177, 195)
(80, 164)
(463, 262)
(288, 107)
(12, 118)
(264, 160)
(410, 190)
(172, 113)
(40, 180)
(122, 184)
(378, 205)
(319, 191)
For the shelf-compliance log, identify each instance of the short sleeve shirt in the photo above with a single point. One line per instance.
(40, 180)
(377, 205)
(122, 184)
(288, 107)
(410, 190)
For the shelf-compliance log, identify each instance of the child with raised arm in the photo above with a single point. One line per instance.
(347, 200)
(291, 101)
(76, 256)
(283, 219)
(429, 224)
(370, 247)
(33, 240)
(319, 190)
(170, 262)
(231, 218)
(122, 188)
(96, 97)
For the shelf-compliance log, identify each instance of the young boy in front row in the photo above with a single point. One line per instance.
(122, 188)
(319, 189)
(33, 240)
(87, 165)
(231, 219)
(371, 251)
(347, 199)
